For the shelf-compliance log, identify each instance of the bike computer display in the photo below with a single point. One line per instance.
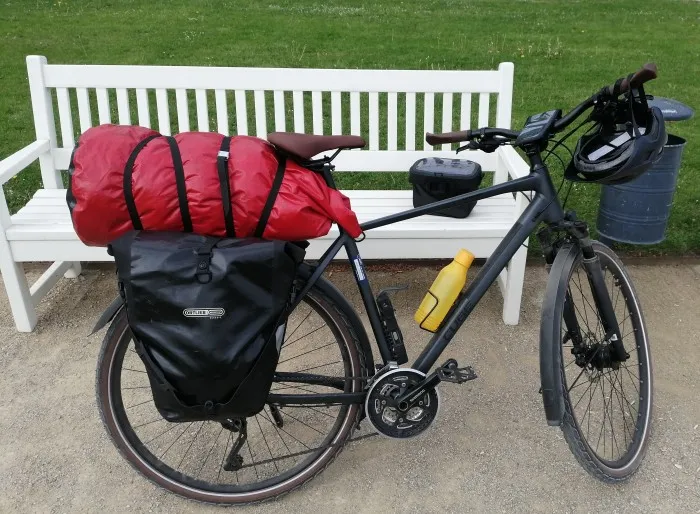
(537, 126)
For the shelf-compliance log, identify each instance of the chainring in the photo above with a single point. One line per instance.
(388, 420)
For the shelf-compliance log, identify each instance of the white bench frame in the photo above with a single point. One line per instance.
(41, 231)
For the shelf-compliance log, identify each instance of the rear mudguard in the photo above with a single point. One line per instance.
(550, 335)
(305, 272)
(109, 314)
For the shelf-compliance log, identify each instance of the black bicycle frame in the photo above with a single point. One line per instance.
(544, 206)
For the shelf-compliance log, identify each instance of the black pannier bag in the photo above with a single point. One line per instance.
(435, 179)
(207, 315)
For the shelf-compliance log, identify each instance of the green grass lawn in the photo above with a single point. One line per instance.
(563, 51)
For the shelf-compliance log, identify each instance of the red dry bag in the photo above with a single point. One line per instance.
(132, 178)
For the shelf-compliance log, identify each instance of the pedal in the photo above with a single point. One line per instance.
(450, 372)
(392, 332)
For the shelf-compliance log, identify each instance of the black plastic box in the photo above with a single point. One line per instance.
(436, 179)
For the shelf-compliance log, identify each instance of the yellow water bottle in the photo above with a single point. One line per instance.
(444, 291)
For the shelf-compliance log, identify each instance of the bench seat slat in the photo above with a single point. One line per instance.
(46, 217)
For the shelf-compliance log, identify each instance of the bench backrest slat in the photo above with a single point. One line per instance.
(391, 108)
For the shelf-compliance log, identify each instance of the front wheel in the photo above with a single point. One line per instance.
(607, 405)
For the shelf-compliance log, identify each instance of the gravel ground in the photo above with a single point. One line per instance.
(489, 451)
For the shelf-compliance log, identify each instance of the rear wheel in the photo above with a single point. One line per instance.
(285, 446)
(607, 417)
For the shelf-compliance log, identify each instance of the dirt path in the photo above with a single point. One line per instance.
(490, 450)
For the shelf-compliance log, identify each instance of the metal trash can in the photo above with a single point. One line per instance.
(637, 212)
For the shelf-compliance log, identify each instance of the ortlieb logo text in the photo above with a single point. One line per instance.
(211, 313)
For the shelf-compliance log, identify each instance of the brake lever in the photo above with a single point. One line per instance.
(471, 145)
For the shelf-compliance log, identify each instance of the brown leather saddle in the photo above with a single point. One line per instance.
(308, 145)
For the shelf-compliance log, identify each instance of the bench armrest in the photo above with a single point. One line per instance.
(513, 163)
(10, 166)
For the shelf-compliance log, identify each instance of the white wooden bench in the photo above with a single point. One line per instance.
(392, 106)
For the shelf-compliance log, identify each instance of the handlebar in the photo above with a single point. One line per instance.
(645, 74)
(467, 135)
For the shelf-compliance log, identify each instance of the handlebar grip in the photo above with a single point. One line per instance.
(447, 137)
(645, 74)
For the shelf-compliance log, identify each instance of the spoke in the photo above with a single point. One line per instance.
(599, 325)
(134, 370)
(302, 389)
(588, 430)
(139, 387)
(583, 317)
(306, 353)
(630, 408)
(306, 452)
(579, 385)
(632, 379)
(269, 450)
(622, 406)
(590, 384)
(300, 421)
(319, 366)
(583, 296)
(175, 425)
(278, 431)
(137, 404)
(602, 426)
(297, 327)
(588, 408)
(210, 450)
(176, 440)
(194, 438)
(148, 423)
(290, 435)
(287, 345)
(625, 397)
(247, 442)
(584, 368)
(610, 418)
(274, 390)
(223, 457)
(569, 364)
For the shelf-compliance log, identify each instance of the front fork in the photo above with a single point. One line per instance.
(596, 279)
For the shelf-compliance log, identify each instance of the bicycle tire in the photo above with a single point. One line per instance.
(341, 315)
(559, 405)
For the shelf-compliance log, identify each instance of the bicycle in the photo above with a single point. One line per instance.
(318, 399)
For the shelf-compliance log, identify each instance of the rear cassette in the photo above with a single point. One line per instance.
(387, 419)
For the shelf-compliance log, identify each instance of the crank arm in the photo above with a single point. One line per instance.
(448, 372)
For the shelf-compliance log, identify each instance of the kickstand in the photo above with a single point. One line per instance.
(234, 461)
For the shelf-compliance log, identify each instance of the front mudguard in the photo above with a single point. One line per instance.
(550, 334)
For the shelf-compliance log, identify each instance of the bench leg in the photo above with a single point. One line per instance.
(74, 271)
(17, 288)
(513, 291)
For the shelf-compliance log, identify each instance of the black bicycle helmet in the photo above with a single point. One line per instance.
(615, 153)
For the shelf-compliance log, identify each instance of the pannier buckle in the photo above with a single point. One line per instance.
(203, 274)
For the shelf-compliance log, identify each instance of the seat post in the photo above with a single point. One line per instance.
(327, 175)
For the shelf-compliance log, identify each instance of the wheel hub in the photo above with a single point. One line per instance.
(595, 355)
